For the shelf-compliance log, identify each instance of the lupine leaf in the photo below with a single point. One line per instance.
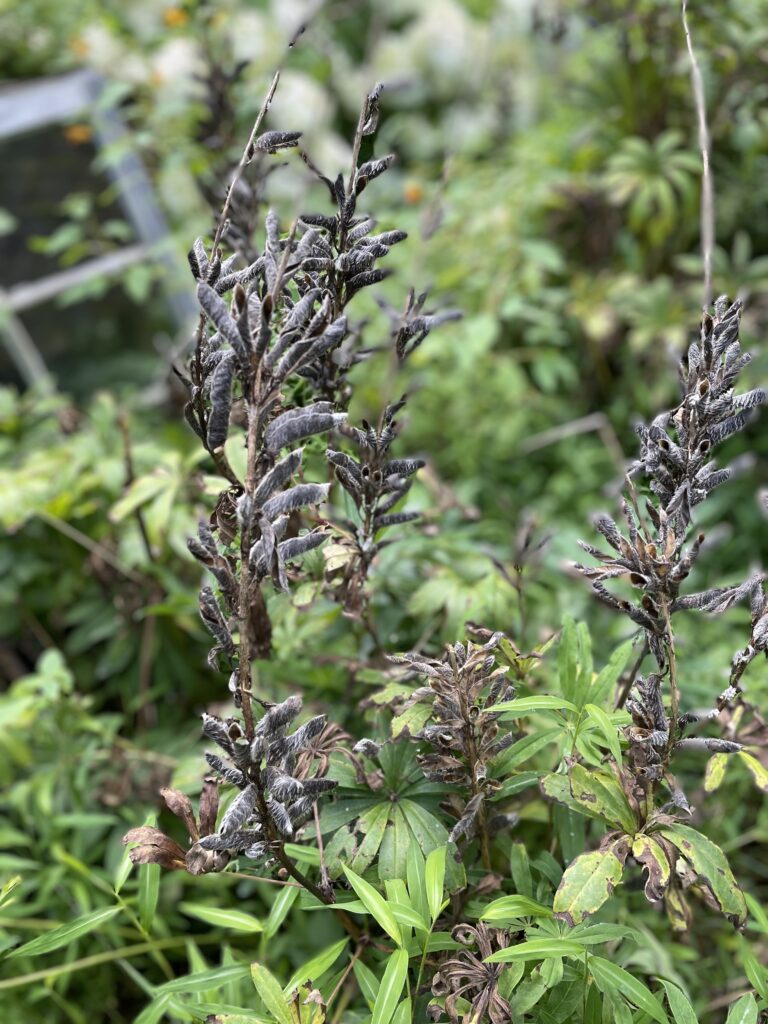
(589, 881)
(390, 988)
(375, 904)
(271, 994)
(66, 933)
(609, 977)
(712, 869)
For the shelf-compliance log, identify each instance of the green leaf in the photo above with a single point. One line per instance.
(757, 975)
(8, 889)
(375, 904)
(313, 969)
(372, 826)
(511, 908)
(390, 988)
(682, 1011)
(536, 949)
(758, 914)
(404, 1013)
(149, 893)
(221, 918)
(523, 750)
(368, 982)
(567, 658)
(434, 880)
(609, 675)
(609, 977)
(526, 705)
(593, 934)
(758, 771)
(743, 1011)
(271, 994)
(715, 771)
(66, 933)
(200, 981)
(607, 728)
(600, 793)
(589, 881)
(415, 867)
(712, 869)
(280, 909)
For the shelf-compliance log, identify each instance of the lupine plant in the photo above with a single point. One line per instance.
(470, 925)
(402, 841)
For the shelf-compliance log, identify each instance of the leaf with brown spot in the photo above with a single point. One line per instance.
(602, 795)
(712, 870)
(654, 859)
(589, 881)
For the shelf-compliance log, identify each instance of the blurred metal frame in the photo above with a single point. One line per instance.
(40, 103)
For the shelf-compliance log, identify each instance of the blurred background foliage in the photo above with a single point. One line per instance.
(548, 177)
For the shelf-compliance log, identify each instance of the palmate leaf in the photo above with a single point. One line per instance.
(589, 881)
(712, 870)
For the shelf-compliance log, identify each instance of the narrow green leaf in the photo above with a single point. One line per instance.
(609, 977)
(593, 934)
(510, 908)
(236, 920)
(434, 880)
(271, 994)
(404, 1013)
(607, 728)
(376, 905)
(758, 915)
(8, 890)
(526, 705)
(757, 975)
(409, 917)
(415, 867)
(589, 881)
(390, 988)
(536, 949)
(524, 749)
(743, 1011)
(715, 771)
(712, 869)
(201, 981)
(279, 910)
(758, 771)
(609, 675)
(567, 657)
(368, 982)
(682, 1011)
(149, 893)
(315, 968)
(66, 933)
